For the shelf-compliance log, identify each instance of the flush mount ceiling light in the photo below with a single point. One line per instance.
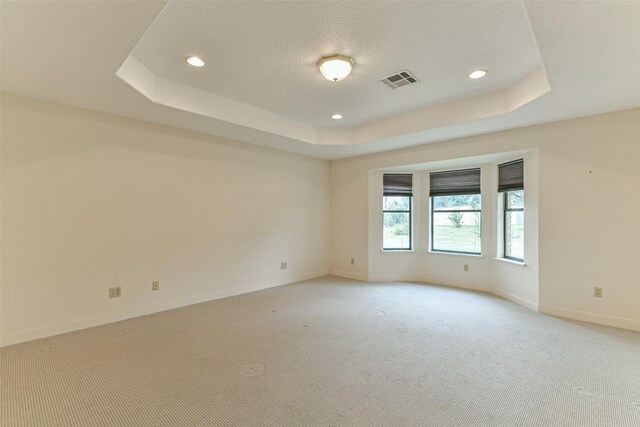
(478, 74)
(195, 61)
(335, 67)
(336, 116)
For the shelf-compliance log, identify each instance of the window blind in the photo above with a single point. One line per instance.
(451, 183)
(511, 176)
(397, 185)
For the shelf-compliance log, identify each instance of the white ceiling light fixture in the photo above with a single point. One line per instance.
(335, 67)
(194, 61)
(478, 74)
(336, 116)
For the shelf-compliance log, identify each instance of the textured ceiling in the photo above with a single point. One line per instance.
(69, 52)
(264, 54)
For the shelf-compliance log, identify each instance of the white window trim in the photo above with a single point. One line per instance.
(511, 261)
(431, 251)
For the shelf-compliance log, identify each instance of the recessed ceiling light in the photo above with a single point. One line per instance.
(336, 116)
(335, 67)
(478, 74)
(195, 61)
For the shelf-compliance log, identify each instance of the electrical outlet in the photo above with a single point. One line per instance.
(115, 292)
(353, 261)
(597, 292)
(466, 267)
(283, 265)
(155, 285)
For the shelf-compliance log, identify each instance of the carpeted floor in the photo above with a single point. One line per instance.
(329, 352)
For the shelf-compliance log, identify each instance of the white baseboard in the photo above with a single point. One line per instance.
(585, 316)
(394, 278)
(454, 285)
(349, 275)
(517, 299)
(103, 319)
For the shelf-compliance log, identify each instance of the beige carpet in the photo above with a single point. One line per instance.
(329, 352)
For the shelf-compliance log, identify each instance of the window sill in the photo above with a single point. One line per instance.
(396, 251)
(455, 254)
(510, 261)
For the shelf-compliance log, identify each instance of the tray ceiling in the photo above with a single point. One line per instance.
(261, 84)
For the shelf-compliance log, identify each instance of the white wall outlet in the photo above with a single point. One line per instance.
(353, 261)
(283, 265)
(115, 292)
(597, 292)
(466, 267)
(155, 285)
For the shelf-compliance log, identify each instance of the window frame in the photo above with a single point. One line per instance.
(410, 212)
(505, 209)
(431, 226)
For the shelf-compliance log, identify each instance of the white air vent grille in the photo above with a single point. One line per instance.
(399, 79)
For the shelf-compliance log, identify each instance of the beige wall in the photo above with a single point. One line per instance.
(582, 211)
(91, 201)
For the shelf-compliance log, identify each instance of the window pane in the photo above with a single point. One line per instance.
(461, 202)
(396, 203)
(515, 199)
(396, 231)
(514, 235)
(456, 231)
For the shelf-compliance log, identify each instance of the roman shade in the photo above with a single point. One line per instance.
(398, 185)
(511, 176)
(452, 183)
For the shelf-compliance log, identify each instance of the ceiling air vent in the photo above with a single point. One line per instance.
(399, 79)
